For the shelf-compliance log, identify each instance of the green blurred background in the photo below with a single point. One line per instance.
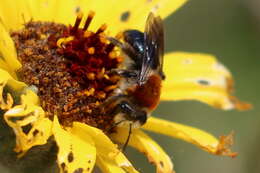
(230, 30)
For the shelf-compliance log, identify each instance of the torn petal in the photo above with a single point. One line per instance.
(194, 76)
(5, 104)
(77, 151)
(28, 115)
(192, 135)
(148, 146)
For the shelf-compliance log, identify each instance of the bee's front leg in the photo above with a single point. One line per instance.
(125, 47)
(125, 73)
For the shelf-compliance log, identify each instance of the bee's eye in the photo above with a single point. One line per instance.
(125, 107)
(142, 117)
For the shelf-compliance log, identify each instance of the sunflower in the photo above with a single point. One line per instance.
(33, 29)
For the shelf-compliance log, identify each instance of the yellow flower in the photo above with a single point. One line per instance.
(190, 76)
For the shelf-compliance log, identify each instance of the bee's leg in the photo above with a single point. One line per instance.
(126, 48)
(125, 73)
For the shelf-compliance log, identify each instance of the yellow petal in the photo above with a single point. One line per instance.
(124, 163)
(46, 10)
(120, 14)
(28, 114)
(145, 144)
(192, 135)
(7, 80)
(8, 51)
(108, 166)
(109, 158)
(125, 14)
(195, 76)
(77, 151)
(26, 10)
(4, 65)
(103, 144)
(13, 14)
(119, 164)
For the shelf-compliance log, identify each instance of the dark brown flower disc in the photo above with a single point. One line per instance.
(70, 67)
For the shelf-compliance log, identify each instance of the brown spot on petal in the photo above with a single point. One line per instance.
(79, 170)
(77, 10)
(35, 132)
(161, 164)
(70, 157)
(63, 166)
(203, 82)
(125, 16)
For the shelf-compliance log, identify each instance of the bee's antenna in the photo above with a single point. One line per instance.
(128, 137)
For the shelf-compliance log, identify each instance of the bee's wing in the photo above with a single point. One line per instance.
(154, 47)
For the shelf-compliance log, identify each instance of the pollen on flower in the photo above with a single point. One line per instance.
(71, 67)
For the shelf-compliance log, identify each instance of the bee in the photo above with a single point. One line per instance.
(139, 89)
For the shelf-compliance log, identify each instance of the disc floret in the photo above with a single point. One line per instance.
(70, 66)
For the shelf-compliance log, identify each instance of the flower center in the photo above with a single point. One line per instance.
(71, 67)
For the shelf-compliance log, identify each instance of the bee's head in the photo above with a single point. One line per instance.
(130, 114)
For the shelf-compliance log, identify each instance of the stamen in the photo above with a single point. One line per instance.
(89, 19)
(100, 75)
(101, 29)
(112, 55)
(111, 87)
(87, 34)
(106, 76)
(103, 39)
(91, 50)
(101, 95)
(110, 47)
(78, 21)
(64, 41)
(119, 35)
(91, 76)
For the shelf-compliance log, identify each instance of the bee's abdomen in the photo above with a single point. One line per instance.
(148, 94)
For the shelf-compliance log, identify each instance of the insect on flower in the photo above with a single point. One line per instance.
(139, 90)
(89, 82)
